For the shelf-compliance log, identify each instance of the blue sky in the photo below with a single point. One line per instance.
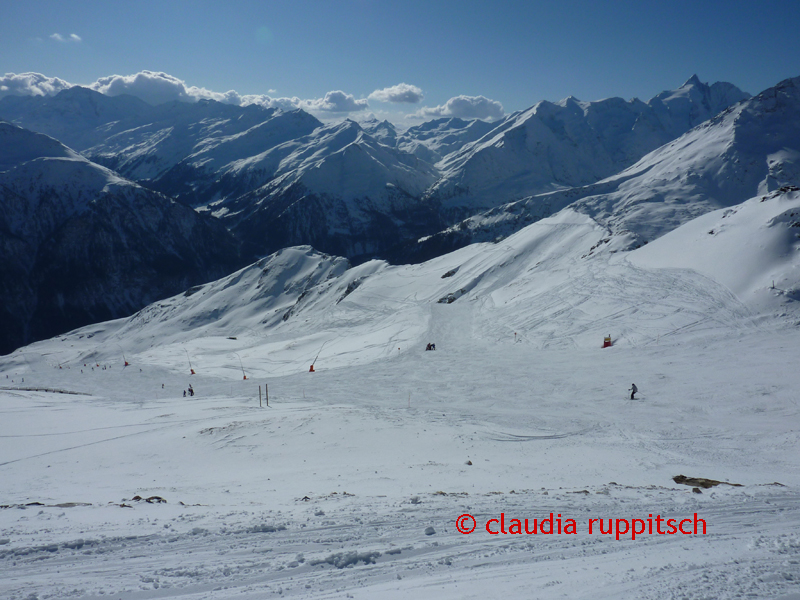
(514, 53)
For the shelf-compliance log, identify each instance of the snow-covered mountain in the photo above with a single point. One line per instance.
(193, 161)
(433, 140)
(250, 164)
(737, 264)
(749, 149)
(77, 117)
(80, 244)
(279, 179)
(282, 178)
(571, 143)
(337, 189)
(383, 131)
(184, 143)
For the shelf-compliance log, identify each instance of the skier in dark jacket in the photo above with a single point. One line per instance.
(634, 389)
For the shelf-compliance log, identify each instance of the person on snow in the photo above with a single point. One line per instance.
(634, 389)
(191, 390)
(184, 393)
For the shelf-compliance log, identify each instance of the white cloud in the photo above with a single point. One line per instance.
(333, 102)
(72, 37)
(157, 88)
(152, 87)
(338, 101)
(31, 84)
(465, 107)
(400, 93)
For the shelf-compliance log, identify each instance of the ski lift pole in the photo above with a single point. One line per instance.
(124, 360)
(244, 376)
(311, 369)
(191, 370)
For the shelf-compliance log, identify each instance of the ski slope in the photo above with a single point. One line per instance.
(350, 484)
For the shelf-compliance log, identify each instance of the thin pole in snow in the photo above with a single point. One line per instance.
(191, 370)
(318, 353)
(266, 393)
(259, 397)
(241, 365)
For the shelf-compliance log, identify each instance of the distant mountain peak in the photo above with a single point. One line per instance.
(693, 80)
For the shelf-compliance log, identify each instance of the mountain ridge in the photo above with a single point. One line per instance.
(80, 244)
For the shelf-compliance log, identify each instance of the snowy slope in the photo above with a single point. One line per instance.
(753, 248)
(517, 285)
(351, 483)
(571, 143)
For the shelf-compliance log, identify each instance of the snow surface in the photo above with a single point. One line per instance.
(350, 483)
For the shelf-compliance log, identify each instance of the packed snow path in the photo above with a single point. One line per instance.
(331, 495)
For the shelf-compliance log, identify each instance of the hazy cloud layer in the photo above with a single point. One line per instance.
(465, 107)
(72, 37)
(402, 93)
(31, 84)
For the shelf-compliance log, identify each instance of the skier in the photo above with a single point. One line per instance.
(191, 390)
(634, 389)
(184, 393)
